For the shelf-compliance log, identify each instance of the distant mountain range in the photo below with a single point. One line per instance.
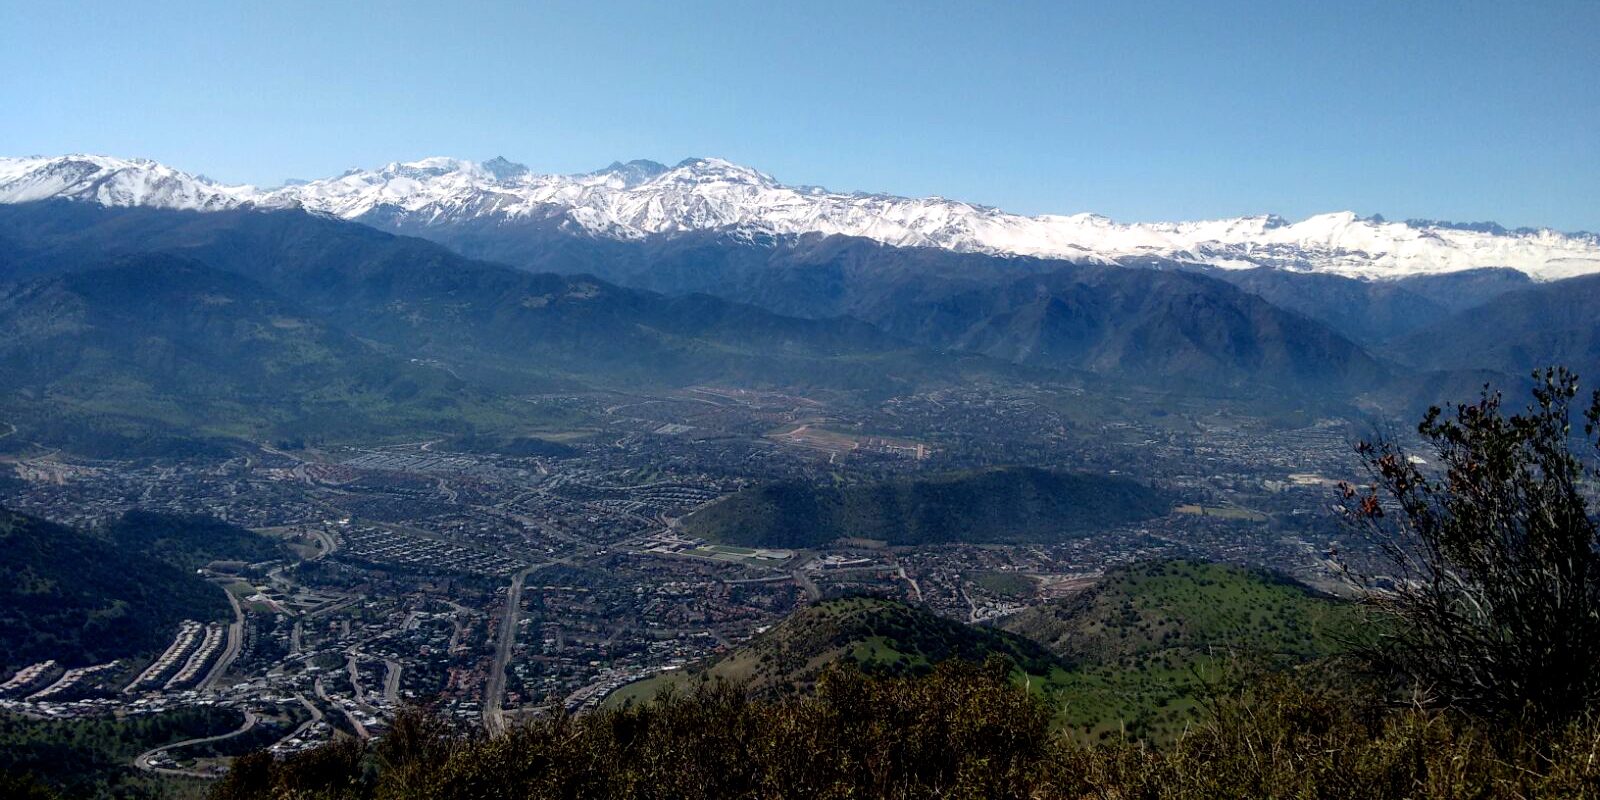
(463, 203)
(121, 327)
(141, 307)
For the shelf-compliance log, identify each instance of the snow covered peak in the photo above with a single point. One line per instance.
(716, 170)
(436, 166)
(504, 170)
(632, 173)
(641, 199)
(114, 182)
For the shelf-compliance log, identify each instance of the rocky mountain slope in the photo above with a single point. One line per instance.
(449, 199)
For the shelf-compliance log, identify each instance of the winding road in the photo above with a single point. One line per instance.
(813, 592)
(142, 761)
(915, 587)
(316, 717)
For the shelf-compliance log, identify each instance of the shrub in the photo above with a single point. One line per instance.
(1493, 557)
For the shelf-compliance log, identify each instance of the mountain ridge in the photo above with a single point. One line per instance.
(639, 200)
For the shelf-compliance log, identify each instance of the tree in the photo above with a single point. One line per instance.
(1495, 559)
(24, 787)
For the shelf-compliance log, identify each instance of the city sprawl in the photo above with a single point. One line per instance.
(492, 587)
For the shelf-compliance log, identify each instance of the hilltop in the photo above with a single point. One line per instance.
(1009, 504)
(189, 541)
(1147, 638)
(1133, 653)
(880, 637)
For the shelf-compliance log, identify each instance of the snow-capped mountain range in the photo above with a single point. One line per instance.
(643, 199)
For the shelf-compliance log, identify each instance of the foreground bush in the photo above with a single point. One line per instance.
(1493, 555)
(961, 732)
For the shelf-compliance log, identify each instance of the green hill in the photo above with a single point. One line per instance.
(84, 598)
(489, 323)
(103, 359)
(190, 541)
(514, 446)
(1147, 638)
(882, 637)
(995, 505)
(1134, 653)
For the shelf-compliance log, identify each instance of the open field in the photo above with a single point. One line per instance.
(812, 436)
(742, 555)
(1006, 584)
(1222, 512)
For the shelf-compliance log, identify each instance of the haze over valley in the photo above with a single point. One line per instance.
(450, 477)
(657, 438)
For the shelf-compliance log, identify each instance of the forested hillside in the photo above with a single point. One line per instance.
(997, 505)
(88, 597)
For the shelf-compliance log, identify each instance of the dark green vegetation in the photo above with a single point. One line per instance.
(88, 597)
(1494, 563)
(880, 637)
(190, 541)
(961, 731)
(1147, 639)
(156, 343)
(1133, 655)
(1013, 504)
(296, 327)
(93, 758)
(1005, 584)
(1177, 329)
(521, 446)
(1374, 312)
(1284, 329)
(1157, 326)
(1165, 322)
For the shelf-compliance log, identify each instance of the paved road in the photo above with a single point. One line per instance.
(450, 495)
(229, 653)
(316, 716)
(915, 588)
(142, 761)
(494, 689)
(329, 545)
(798, 573)
(768, 579)
(391, 681)
(322, 694)
(355, 680)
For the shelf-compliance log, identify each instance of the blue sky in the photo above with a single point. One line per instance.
(1138, 110)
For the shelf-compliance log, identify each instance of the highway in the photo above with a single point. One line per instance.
(229, 653)
(494, 689)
